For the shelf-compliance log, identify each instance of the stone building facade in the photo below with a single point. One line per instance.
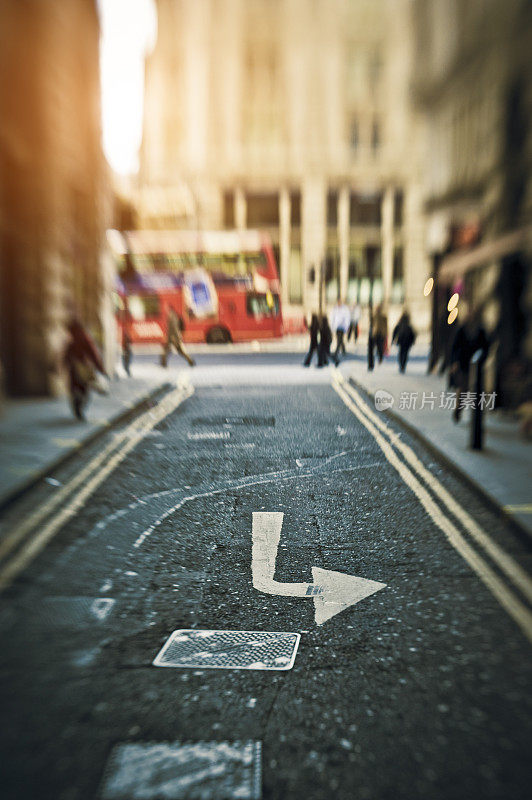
(473, 84)
(292, 116)
(53, 187)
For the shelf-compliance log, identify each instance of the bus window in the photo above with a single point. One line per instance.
(262, 305)
(256, 261)
(144, 305)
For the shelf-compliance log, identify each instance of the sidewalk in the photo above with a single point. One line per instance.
(38, 434)
(502, 471)
(293, 343)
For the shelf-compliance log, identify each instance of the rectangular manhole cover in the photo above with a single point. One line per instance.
(175, 771)
(229, 650)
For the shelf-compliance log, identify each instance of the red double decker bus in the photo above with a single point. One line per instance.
(223, 285)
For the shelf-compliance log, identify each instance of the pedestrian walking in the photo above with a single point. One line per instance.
(314, 330)
(340, 322)
(469, 338)
(324, 346)
(404, 335)
(355, 322)
(82, 360)
(174, 339)
(380, 331)
(127, 353)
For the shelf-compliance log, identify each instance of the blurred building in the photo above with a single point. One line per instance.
(291, 116)
(53, 186)
(473, 82)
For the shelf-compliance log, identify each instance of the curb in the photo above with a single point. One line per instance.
(124, 415)
(521, 530)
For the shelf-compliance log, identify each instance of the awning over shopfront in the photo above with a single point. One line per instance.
(456, 265)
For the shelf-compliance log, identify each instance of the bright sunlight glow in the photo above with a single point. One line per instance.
(128, 34)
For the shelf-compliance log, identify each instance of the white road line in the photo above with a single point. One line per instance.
(20, 531)
(95, 478)
(228, 486)
(508, 600)
(505, 562)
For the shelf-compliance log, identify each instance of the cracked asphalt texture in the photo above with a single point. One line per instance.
(420, 691)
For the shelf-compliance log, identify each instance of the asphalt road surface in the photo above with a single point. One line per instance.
(379, 612)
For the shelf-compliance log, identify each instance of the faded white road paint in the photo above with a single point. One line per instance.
(209, 435)
(331, 591)
(81, 487)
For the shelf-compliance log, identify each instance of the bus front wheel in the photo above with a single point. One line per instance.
(218, 335)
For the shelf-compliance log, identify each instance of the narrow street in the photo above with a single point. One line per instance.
(261, 497)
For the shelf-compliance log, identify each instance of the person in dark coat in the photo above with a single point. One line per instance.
(380, 332)
(469, 338)
(127, 352)
(82, 359)
(174, 339)
(314, 330)
(404, 335)
(325, 342)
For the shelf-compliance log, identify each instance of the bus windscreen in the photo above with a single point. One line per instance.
(219, 265)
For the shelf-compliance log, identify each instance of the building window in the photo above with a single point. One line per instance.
(354, 135)
(373, 262)
(375, 135)
(229, 209)
(374, 70)
(332, 275)
(398, 208)
(398, 292)
(398, 264)
(355, 272)
(263, 210)
(332, 209)
(371, 286)
(364, 209)
(295, 209)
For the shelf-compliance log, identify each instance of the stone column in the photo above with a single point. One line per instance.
(313, 232)
(197, 64)
(417, 267)
(387, 243)
(343, 238)
(284, 242)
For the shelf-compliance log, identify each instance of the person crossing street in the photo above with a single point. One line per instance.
(340, 323)
(174, 339)
(314, 330)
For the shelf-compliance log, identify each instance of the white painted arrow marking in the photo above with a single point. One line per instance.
(332, 592)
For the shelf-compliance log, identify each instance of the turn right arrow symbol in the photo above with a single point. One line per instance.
(331, 591)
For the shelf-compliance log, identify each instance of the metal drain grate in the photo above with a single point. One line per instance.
(175, 771)
(229, 650)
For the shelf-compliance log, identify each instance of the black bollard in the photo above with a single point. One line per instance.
(476, 420)
(371, 360)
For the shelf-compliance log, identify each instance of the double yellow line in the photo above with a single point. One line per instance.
(27, 539)
(441, 507)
